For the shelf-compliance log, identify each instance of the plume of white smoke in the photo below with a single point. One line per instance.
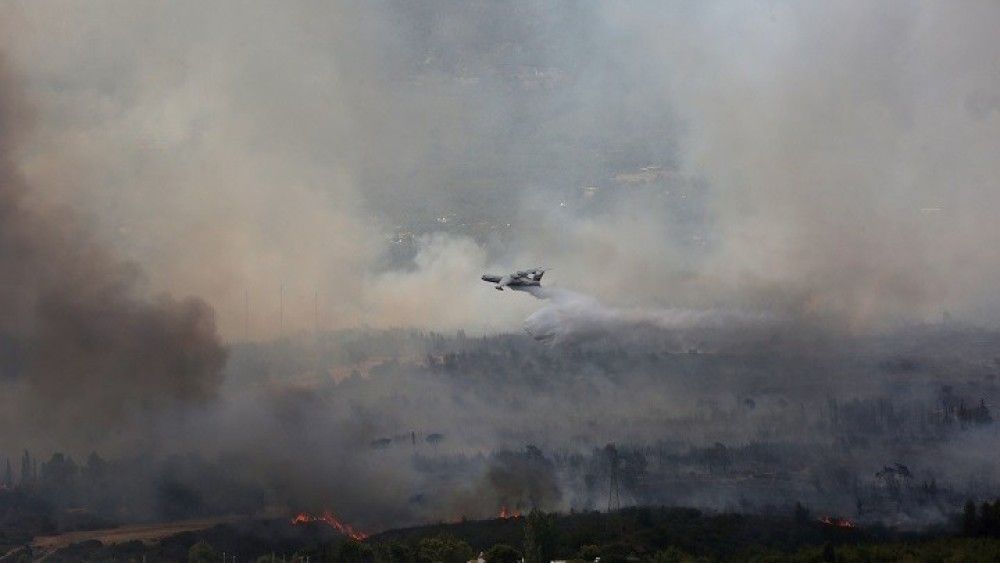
(441, 290)
(249, 148)
(570, 316)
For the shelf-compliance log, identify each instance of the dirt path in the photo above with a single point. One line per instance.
(10, 555)
(121, 534)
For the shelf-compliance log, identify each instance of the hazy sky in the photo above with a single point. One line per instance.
(835, 161)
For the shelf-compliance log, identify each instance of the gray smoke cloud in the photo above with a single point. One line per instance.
(723, 156)
(85, 351)
(720, 176)
(849, 168)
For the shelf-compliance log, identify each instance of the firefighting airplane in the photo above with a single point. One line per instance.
(517, 280)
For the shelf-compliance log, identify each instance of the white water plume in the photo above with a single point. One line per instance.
(570, 316)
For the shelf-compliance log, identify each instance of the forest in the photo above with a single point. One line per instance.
(894, 434)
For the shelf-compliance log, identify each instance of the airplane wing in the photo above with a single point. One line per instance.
(504, 281)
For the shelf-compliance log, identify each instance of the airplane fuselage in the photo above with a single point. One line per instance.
(517, 279)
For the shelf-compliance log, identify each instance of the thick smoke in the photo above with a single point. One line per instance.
(711, 156)
(850, 175)
(84, 352)
(783, 178)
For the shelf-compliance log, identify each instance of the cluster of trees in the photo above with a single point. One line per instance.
(60, 477)
(99, 492)
(920, 420)
(27, 476)
(646, 534)
(437, 549)
(757, 443)
(978, 415)
(951, 549)
(540, 545)
(735, 418)
(653, 535)
(981, 522)
(957, 550)
(640, 535)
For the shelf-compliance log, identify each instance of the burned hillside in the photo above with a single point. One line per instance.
(402, 427)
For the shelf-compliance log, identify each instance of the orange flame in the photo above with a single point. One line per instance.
(329, 519)
(838, 522)
(505, 514)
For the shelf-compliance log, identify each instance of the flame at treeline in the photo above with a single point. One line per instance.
(506, 513)
(838, 522)
(329, 519)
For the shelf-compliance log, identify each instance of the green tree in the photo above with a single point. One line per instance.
(394, 552)
(969, 523)
(353, 551)
(671, 555)
(829, 553)
(26, 473)
(588, 552)
(539, 537)
(201, 552)
(802, 514)
(443, 549)
(988, 519)
(8, 476)
(502, 553)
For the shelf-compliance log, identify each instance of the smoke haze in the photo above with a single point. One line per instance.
(741, 204)
(787, 165)
(80, 336)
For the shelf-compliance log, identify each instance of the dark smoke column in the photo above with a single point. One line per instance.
(82, 349)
